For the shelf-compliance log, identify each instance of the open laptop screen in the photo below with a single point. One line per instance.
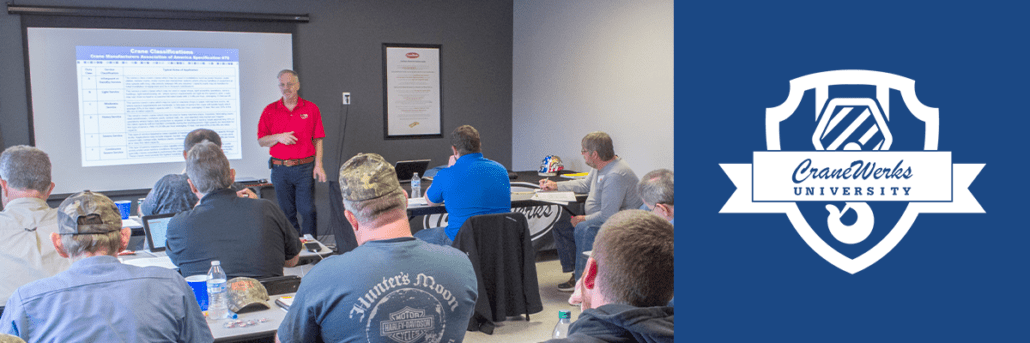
(156, 228)
(406, 169)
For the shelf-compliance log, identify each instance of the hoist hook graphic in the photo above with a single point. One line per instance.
(854, 233)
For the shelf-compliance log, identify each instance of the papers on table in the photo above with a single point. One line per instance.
(285, 302)
(161, 261)
(132, 222)
(417, 202)
(561, 198)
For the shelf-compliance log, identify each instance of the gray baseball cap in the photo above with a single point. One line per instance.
(88, 213)
(367, 176)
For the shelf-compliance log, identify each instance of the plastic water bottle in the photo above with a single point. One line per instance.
(416, 186)
(561, 330)
(217, 295)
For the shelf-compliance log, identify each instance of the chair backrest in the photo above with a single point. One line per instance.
(504, 260)
(343, 233)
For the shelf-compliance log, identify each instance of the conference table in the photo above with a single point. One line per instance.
(523, 189)
(264, 323)
(272, 316)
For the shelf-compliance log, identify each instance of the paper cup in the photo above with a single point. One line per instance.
(199, 285)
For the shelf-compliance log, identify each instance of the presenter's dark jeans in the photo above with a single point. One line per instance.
(571, 242)
(295, 190)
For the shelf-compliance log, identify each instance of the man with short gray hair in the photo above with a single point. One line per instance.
(611, 186)
(250, 237)
(398, 286)
(26, 221)
(292, 130)
(657, 191)
(99, 299)
(627, 282)
(171, 194)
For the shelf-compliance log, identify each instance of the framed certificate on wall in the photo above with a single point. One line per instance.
(412, 91)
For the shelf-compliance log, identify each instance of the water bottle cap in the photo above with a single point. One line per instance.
(216, 263)
(564, 314)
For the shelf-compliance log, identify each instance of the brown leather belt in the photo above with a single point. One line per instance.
(291, 163)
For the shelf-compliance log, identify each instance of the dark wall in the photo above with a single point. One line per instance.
(340, 50)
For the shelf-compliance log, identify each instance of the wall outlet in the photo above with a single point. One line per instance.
(346, 98)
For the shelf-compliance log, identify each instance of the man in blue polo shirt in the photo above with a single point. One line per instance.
(471, 185)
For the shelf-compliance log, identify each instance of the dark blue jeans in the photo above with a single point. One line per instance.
(295, 190)
(436, 235)
(571, 242)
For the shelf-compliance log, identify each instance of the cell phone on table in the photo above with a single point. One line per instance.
(312, 246)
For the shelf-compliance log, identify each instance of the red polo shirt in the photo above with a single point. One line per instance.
(305, 121)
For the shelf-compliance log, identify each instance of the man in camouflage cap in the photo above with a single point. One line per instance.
(137, 304)
(406, 288)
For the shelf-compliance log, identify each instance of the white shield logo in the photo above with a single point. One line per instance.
(851, 124)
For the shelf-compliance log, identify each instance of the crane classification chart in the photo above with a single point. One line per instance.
(136, 104)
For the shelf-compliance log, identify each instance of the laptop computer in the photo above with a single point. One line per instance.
(406, 169)
(156, 228)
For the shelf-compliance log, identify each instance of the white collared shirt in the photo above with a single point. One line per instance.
(26, 252)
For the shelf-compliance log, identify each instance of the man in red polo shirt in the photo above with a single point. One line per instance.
(292, 127)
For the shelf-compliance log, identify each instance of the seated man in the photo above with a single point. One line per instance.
(171, 194)
(99, 299)
(251, 237)
(392, 286)
(656, 190)
(26, 222)
(628, 279)
(471, 185)
(611, 186)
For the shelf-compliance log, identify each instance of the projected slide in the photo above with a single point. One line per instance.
(137, 103)
(112, 106)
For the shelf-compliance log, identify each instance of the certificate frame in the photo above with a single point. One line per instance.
(412, 91)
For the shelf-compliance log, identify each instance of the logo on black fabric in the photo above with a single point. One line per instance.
(853, 175)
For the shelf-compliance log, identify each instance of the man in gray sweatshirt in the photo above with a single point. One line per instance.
(611, 186)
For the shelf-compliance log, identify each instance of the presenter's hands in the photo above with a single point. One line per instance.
(246, 193)
(577, 219)
(548, 185)
(319, 173)
(286, 138)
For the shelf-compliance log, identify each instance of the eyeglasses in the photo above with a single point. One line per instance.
(288, 84)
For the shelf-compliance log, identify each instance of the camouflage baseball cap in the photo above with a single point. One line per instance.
(88, 213)
(5, 338)
(367, 176)
(246, 294)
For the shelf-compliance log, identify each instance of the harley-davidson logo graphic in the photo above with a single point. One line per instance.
(853, 180)
(406, 325)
